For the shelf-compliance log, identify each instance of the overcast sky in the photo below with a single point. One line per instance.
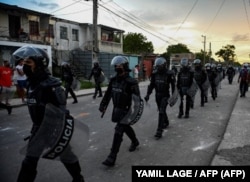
(163, 22)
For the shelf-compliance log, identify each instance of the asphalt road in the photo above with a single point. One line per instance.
(191, 141)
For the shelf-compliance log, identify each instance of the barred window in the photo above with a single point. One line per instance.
(75, 36)
(50, 31)
(34, 28)
(63, 33)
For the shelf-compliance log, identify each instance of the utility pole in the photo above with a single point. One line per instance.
(204, 56)
(95, 47)
(210, 52)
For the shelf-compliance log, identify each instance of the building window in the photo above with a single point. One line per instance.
(50, 31)
(63, 33)
(34, 29)
(75, 36)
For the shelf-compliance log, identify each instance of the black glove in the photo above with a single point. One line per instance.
(146, 98)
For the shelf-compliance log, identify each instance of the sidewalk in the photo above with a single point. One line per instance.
(16, 102)
(234, 148)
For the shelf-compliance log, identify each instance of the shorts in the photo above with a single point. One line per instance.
(21, 83)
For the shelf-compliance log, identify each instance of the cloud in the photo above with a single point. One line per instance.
(45, 5)
(240, 37)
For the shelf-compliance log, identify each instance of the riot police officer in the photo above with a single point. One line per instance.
(243, 80)
(42, 90)
(68, 76)
(200, 77)
(184, 82)
(161, 80)
(230, 74)
(96, 72)
(120, 90)
(212, 74)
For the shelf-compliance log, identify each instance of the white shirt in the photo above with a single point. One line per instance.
(20, 77)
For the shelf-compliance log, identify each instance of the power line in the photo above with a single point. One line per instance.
(65, 6)
(216, 15)
(187, 16)
(134, 24)
(246, 13)
(137, 20)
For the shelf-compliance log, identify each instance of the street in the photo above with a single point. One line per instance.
(191, 141)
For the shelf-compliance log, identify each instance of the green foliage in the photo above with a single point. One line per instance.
(227, 53)
(178, 48)
(173, 49)
(136, 43)
(86, 84)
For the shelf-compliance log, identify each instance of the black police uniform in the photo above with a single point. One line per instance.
(184, 82)
(161, 82)
(120, 90)
(200, 77)
(96, 72)
(230, 74)
(212, 74)
(43, 89)
(68, 77)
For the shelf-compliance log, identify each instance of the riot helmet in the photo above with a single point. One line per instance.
(96, 64)
(118, 61)
(160, 64)
(219, 66)
(38, 55)
(65, 64)
(197, 62)
(208, 66)
(213, 66)
(245, 65)
(184, 62)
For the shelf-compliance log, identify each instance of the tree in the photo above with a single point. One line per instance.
(174, 49)
(200, 55)
(136, 43)
(227, 53)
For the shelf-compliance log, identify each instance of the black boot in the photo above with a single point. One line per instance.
(27, 173)
(131, 134)
(75, 171)
(7, 107)
(75, 101)
(110, 161)
(158, 134)
(117, 140)
(133, 146)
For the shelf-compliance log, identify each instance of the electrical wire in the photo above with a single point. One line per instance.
(246, 13)
(215, 15)
(187, 16)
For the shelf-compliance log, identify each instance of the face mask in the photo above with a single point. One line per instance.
(119, 70)
(27, 70)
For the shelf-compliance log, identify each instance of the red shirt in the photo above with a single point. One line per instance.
(5, 76)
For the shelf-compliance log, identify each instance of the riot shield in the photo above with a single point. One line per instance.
(206, 84)
(217, 80)
(54, 137)
(101, 78)
(76, 84)
(173, 99)
(193, 89)
(135, 111)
